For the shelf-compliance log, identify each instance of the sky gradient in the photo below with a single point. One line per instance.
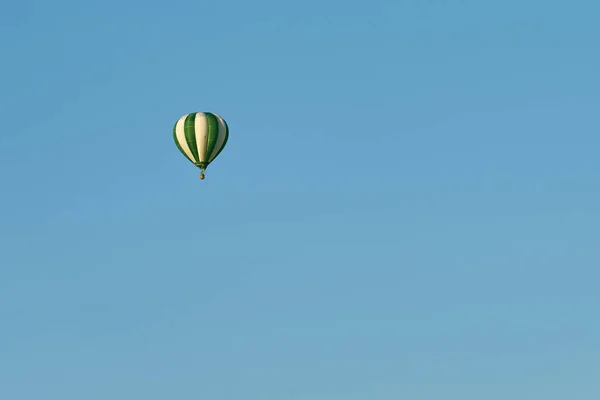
(407, 207)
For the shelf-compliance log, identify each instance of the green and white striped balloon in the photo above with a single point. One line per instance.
(201, 137)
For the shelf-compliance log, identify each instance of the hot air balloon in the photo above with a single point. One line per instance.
(201, 136)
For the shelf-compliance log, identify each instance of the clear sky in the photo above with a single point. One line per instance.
(407, 207)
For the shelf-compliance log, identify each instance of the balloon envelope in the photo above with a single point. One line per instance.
(200, 137)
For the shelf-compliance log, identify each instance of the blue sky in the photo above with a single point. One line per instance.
(407, 207)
